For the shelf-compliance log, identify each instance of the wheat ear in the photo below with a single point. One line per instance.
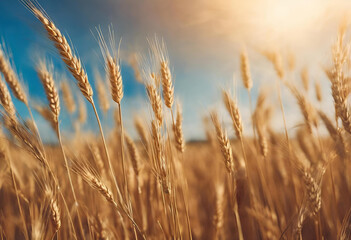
(54, 208)
(72, 62)
(167, 87)
(11, 78)
(52, 96)
(305, 79)
(178, 130)
(68, 98)
(224, 143)
(6, 101)
(245, 70)
(234, 113)
(318, 90)
(155, 101)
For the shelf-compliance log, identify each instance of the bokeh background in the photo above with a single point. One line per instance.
(204, 39)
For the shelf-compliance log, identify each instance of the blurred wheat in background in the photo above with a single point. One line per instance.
(246, 180)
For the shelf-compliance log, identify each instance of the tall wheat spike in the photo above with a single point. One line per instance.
(11, 77)
(245, 70)
(6, 101)
(52, 96)
(72, 62)
(224, 143)
(178, 130)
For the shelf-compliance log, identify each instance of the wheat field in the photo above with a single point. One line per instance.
(234, 185)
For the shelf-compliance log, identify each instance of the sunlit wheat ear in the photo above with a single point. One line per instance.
(156, 102)
(156, 139)
(336, 75)
(167, 86)
(101, 92)
(234, 113)
(160, 52)
(141, 129)
(335, 133)
(11, 77)
(115, 78)
(305, 79)
(260, 117)
(53, 207)
(318, 90)
(72, 62)
(262, 140)
(134, 154)
(245, 70)
(52, 96)
(68, 98)
(276, 60)
(112, 65)
(224, 143)
(313, 193)
(308, 111)
(6, 101)
(91, 177)
(178, 130)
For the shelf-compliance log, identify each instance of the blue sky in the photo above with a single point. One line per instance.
(204, 39)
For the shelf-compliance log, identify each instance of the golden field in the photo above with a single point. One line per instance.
(268, 185)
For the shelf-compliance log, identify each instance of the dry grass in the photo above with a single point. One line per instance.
(157, 185)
